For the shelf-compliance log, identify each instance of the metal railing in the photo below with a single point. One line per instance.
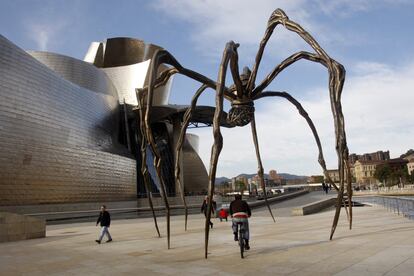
(399, 205)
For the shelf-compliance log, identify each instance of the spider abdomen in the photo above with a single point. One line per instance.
(240, 114)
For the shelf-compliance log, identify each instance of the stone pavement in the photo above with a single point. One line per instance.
(381, 243)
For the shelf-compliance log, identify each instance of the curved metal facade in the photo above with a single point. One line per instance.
(126, 61)
(61, 125)
(195, 174)
(129, 77)
(78, 72)
(57, 138)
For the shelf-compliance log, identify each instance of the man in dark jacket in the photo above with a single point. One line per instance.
(240, 212)
(105, 220)
(204, 208)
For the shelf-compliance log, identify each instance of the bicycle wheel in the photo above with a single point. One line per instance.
(241, 243)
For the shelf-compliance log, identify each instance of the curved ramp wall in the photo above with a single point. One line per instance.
(56, 142)
(194, 172)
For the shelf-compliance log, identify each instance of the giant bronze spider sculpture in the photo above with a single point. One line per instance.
(242, 96)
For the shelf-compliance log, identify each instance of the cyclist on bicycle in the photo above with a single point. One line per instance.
(240, 212)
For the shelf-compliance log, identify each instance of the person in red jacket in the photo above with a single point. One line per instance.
(222, 214)
(240, 212)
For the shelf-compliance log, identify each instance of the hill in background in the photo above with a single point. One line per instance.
(287, 176)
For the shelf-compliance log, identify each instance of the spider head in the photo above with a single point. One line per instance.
(244, 76)
(241, 113)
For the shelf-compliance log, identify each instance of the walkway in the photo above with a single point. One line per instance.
(381, 243)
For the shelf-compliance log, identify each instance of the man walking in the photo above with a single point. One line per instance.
(204, 208)
(105, 220)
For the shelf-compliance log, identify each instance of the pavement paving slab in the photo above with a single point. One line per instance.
(380, 243)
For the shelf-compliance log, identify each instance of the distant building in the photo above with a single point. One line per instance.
(365, 170)
(352, 169)
(242, 179)
(256, 179)
(275, 178)
(235, 182)
(410, 166)
(315, 179)
(295, 181)
(397, 163)
(273, 175)
(409, 156)
(374, 156)
(334, 175)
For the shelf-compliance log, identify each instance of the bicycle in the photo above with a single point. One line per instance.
(241, 238)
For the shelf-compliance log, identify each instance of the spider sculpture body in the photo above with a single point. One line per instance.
(242, 95)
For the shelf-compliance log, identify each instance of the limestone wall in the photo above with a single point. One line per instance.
(14, 227)
(314, 207)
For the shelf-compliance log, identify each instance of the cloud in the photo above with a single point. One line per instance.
(377, 105)
(212, 23)
(43, 34)
(54, 23)
(348, 7)
(216, 22)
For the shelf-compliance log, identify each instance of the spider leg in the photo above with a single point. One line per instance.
(260, 166)
(228, 53)
(162, 80)
(305, 115)
(186, 120)
(336, 80)
(234, 68)
(349, 191)
(144, 167)
(164, 57)
(158, 166)
(270, 77)
(268, 33)
(283, 65)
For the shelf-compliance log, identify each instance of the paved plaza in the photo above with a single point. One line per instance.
(380, 243)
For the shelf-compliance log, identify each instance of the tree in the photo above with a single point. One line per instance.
(383, 173)
(401, 175)
(411, 177)
(353, 179)
(240, 186)
(317, 178)
(391, 175)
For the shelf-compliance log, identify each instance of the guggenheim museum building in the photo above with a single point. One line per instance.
(69, 133)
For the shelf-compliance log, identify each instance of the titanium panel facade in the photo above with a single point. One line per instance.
(126, 62)
(94, 54)
(195, 174)
(78, 72)
(58, 139)
(62, 125)
(129, 77)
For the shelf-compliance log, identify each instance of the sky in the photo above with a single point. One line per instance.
(373, 39)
